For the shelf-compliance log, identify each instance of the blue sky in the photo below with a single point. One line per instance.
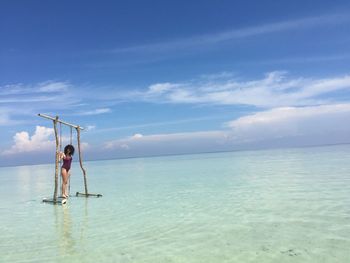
(168, 77)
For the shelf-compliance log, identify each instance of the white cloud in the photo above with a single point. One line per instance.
(29, 99)
(216, 76)
(90, 127)
(300, 60)
(22, 102)
(41, 140)
(137, 136)
(287, 125)
(203, 41)
(48, 87)
(188, 138)
(179, 136)
(285, 122)
(84, 146)
(160, 88)
(53, 87)
(157, 124)
(6, 118)
(124, 146)
(96, 111)
(274, 90)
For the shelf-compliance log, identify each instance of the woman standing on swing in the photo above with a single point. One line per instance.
(67, 157)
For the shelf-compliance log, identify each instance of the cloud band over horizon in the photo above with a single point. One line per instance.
(310, 125)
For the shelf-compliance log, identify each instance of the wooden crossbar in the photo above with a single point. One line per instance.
(60, 121)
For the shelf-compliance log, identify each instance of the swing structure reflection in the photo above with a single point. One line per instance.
(55, 199)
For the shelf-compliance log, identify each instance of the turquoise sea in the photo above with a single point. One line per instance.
(285, 205)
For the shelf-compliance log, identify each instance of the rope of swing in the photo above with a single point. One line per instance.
(61, 156)
(71, 135)
(71, 141)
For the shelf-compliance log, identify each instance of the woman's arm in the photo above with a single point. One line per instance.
(62, 155)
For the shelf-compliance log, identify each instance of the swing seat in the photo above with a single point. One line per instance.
(78, 194)
(58, 201)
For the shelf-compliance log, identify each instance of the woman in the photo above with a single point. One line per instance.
(66, 156)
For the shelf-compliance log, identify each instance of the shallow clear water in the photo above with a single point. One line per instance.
(289, 205)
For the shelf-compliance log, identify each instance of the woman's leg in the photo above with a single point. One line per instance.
(64, 181)
(68, 183)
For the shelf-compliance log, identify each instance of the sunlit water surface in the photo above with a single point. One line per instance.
(290, 205)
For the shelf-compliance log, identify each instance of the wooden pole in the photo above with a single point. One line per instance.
(57, 159)
(80, 160)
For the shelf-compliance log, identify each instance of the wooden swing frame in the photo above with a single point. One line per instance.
(55, 199)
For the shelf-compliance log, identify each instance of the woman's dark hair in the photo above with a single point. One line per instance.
(69, 148)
